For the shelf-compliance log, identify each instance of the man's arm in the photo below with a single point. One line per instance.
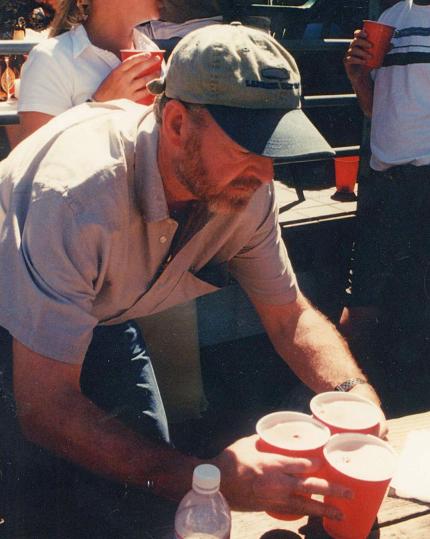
(311, 346)
(55, 414)
(358, 52)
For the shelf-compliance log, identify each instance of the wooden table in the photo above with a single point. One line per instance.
(397, 518)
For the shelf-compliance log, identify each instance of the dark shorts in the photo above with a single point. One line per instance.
(390, 260)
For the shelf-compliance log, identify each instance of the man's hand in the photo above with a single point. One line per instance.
(259, 481)
(357, 55)
(359, 51)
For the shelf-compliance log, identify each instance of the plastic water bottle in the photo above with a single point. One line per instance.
(203, 513)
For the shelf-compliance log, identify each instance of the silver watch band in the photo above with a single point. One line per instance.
(349, 384)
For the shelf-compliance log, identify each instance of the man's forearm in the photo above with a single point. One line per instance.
(310, 344)
(363, 87)
(85, 435)
(320, 356)
(55, 414)
(105, 446)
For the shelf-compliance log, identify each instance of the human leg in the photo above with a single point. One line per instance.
(407, 296)
(117, 375)
(390, 315)
(362, 322)
(408, 299)
(369, 259)
(35, 486)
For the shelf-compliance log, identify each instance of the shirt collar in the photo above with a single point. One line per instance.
(81, 41)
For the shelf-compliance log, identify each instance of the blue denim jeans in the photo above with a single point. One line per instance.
(117, 375)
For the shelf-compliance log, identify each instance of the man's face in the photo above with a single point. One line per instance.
(216, 170)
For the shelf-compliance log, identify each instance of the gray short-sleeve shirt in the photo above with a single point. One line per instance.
(85, 233)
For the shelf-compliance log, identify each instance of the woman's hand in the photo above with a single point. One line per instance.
(127, 81)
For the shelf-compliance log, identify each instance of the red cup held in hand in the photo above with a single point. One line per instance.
(292, 434)
(365, 464)
(379, 35)
(126, 53)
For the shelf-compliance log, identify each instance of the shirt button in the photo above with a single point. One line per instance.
(163, 239)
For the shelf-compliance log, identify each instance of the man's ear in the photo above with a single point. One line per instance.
(174, 122)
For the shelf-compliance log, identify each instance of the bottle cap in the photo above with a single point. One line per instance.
(206, 478)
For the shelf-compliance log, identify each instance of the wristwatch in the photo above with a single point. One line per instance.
(349, 384)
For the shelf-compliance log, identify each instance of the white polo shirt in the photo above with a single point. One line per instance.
(66, 70)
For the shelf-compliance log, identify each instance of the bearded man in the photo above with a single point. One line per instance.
(113, 211)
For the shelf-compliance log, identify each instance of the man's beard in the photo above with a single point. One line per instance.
(192, 174)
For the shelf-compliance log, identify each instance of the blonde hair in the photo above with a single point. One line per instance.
(68, 14)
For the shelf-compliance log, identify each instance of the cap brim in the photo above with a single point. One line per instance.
(274, 133)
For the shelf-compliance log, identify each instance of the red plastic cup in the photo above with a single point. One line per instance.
(346, 412)
(292, 434)
(365, 464)
(126, 53)
(379, 36)
(346, 172)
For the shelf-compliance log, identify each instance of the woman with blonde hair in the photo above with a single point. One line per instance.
(81, 59)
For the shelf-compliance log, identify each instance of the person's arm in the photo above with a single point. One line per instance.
(123, 82)
(45, 89)
(126, 80)
(359, 75)
(55, 414)
(311, 346)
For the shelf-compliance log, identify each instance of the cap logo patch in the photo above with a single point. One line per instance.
(277, 73)
(273, 85)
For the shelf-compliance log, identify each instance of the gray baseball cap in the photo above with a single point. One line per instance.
(250, 84)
